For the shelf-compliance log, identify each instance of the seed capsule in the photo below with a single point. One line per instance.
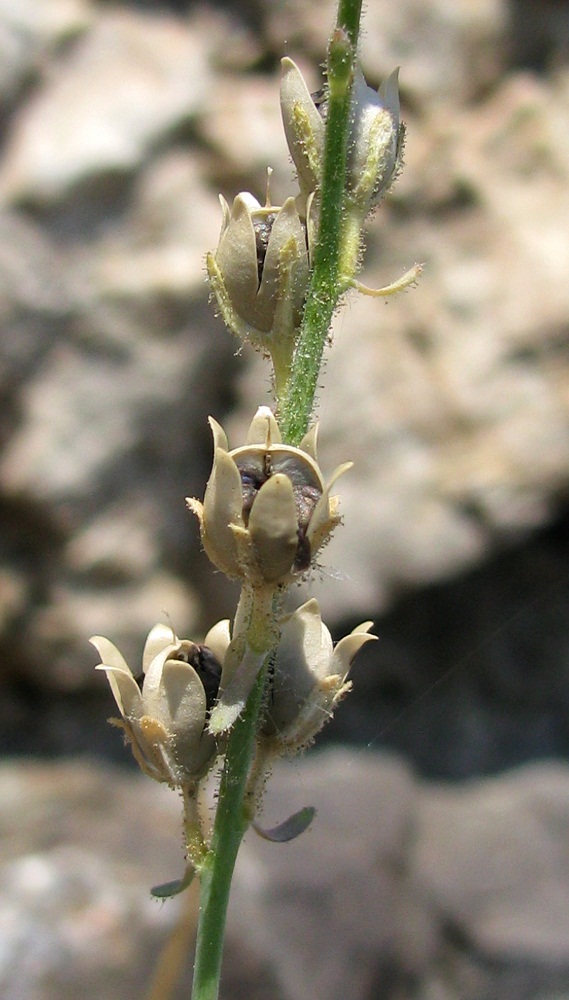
(266, 511)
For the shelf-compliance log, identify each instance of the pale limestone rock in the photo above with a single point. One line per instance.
(121, 89)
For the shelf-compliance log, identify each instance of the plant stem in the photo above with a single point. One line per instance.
(233, 810)
(349, 14)
(325, 288)
(231, 822)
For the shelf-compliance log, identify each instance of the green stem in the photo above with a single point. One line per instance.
(231, 822)
(234, 810)
(349, 14)
(325, 289)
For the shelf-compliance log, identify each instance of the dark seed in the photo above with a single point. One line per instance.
(320, 99)
(252, 479)
(303, 553)
(263, 228)
(207, 667)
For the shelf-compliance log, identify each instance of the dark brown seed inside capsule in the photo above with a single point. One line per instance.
(306, 496)
(206, 666)
(303, 553)
(320, 98)
(251, 481)
(263, 228)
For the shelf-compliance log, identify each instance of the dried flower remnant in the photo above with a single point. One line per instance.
(266, 511)
(376, 139)
(165, 718)
(309, 678)
(376, 155)
(259, 275)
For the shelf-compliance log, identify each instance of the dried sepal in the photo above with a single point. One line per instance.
(309, 678)
(267, 510)
(164, 717)
(259, 275)
(375, 148)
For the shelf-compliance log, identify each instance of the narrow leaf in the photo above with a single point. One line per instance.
(168, 889)
(290, 828)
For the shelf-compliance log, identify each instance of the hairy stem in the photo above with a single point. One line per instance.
(234, 814)
(216, 871)
(326, 284)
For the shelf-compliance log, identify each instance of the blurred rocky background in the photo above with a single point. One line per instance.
(119, 125)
